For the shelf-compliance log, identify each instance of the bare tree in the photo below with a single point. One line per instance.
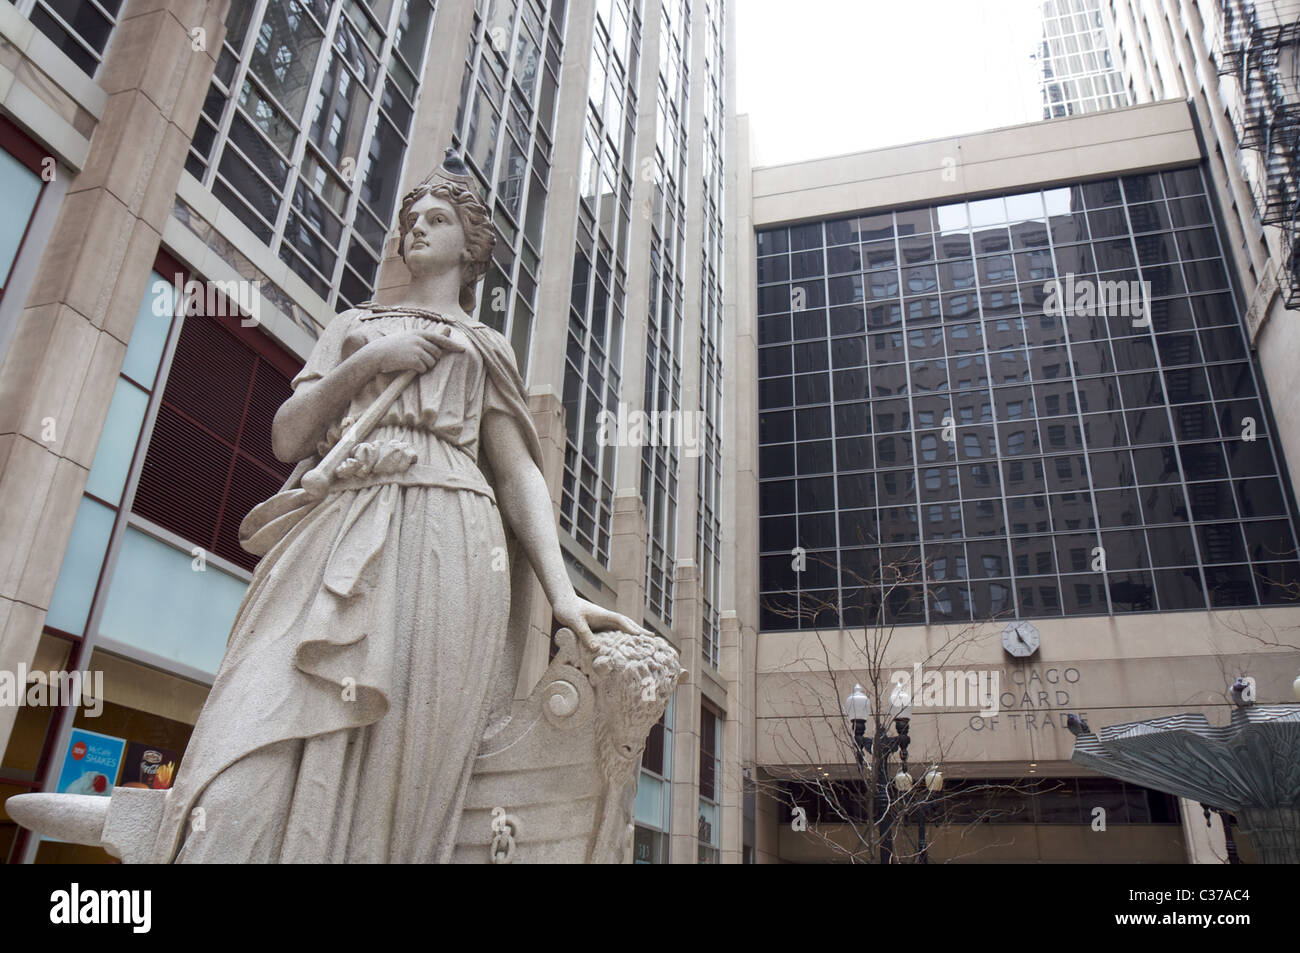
(844, 792)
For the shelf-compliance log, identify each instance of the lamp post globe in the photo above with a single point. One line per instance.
(857, 707)
(900, 702)
(933, 780)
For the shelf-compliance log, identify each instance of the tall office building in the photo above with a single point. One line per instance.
(1078, 72)
(953, 436)
(197, 188)
(1234, 62)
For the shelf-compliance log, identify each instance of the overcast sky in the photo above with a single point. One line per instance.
(826, 77)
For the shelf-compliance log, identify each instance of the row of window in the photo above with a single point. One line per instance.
(1027, 213)
(504, 128)
(1103, 232)
(709, 488)
(598, 297)
(1016, 451)
(1100, 468)
(983, 601)
(303, 133)
(895, 493)
(664, 326)
(862, 559)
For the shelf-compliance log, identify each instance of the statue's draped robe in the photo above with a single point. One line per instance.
(383, 628)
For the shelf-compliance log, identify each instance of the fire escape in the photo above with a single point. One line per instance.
(1259, 48)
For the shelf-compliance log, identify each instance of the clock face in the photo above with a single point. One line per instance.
(1020, 639)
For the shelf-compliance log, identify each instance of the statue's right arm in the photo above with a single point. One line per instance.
(302, 420)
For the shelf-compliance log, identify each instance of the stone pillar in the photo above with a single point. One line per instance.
(684, 837)
(550, 330)
(732, 780)
(59, 373)
(767, 849)
(435, 117)
(628, 552)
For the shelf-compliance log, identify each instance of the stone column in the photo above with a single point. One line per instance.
(685, 812)
(628, 551)
(435, 117)
(732, 780)
(550, 329)
(59, 373)
(767, 840)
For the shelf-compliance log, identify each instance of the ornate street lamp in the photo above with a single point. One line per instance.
(933, 780)
(857, 708)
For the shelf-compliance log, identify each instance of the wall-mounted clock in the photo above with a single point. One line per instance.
(1020, 639)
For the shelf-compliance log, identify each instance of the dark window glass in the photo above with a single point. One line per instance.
(1180, 589)
(1278, 583)
(1229, 586)
(919, 389)
(1118, 507)
(1261, 497)
(1131, 591)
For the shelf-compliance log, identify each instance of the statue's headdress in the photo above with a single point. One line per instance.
(454, 182)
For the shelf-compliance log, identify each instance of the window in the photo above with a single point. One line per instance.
(80, 29)
(709, 489)
(654, 793)
(598, 291)
(209, 459)
(328, 213)
(504, 125)
(163, 604)
(21, 183)
(709, 834)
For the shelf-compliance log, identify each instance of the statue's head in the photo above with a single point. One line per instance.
(444, 224)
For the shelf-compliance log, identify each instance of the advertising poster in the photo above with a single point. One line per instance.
(148, 766)
(91, 763)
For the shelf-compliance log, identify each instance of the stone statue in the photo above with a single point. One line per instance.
(367, 695)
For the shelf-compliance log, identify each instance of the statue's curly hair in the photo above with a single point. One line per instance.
(475, 219)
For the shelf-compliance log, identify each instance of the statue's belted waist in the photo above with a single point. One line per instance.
(420, 474)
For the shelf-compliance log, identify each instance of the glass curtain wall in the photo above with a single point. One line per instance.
(955, 425)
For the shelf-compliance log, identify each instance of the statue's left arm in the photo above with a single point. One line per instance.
(525, 504)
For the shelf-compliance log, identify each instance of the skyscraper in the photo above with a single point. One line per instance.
(199, 187)
(956, 445)
(1078, 72)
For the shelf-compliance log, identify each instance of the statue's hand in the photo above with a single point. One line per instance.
(415, 350)
(585, 617)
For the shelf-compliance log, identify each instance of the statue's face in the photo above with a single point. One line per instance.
(435, 239)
